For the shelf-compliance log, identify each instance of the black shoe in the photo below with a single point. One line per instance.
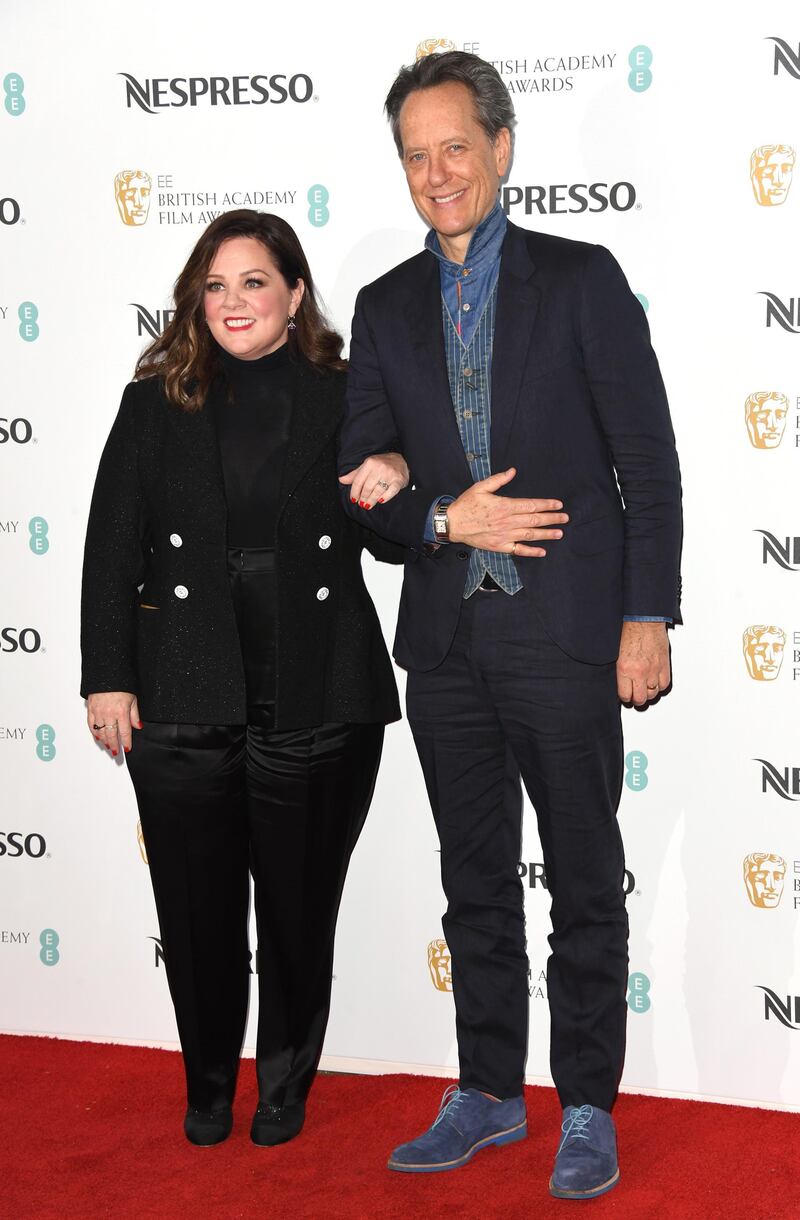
(207, 1127)
(277, 1124)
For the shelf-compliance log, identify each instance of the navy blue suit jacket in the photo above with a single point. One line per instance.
(578, 407)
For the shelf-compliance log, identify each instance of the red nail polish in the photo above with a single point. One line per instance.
(352, 500)
(361, 504)
(127, 749)
(140, 725)
(381, 500)
(115, 752)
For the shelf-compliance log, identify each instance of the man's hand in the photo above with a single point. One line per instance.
(379, 478)
(481, 518)
(111, 716)
(643, 664)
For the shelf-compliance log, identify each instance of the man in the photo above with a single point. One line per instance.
(498, 350)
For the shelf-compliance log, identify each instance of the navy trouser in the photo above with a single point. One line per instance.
(508, 703)
(217, 802)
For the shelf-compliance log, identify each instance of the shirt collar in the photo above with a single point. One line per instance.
(484, 246)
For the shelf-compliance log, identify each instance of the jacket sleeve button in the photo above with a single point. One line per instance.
(324, 542)
(322, 594)
(181, 591)
(176, 540)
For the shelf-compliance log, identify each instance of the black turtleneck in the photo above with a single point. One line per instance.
(253, 430)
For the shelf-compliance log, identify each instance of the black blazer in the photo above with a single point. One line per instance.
(158, 521)
(577, 404)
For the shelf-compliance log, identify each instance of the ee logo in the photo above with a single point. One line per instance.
(45, 742)
(643, 301)
(640, 77)
(638, 993)
(318, 213)
(28, 324)
(636, 771)
(14, 87)
(39, 542)
(49, 954)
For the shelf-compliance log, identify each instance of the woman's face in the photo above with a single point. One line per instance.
(247, 300)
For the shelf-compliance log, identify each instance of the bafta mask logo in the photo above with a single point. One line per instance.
(764, 875)
(765, 414)
(771, 168)
(763, 651)
(141, 842)
(132, 190)
(434, 46)
(439, 965)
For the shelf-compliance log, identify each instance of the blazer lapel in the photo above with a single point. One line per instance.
(423, 314)
(316, 414)
(517, 306)
(197, 432)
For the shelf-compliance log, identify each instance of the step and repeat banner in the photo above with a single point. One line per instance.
(669, 136)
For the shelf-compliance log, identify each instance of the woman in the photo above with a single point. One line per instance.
(225, 617)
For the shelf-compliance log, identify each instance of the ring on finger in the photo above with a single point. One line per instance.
(513, 548)
(98, 727)
(382, 483)
(651, 686)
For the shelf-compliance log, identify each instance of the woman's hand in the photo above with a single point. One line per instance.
(111, 716)
(379, 478)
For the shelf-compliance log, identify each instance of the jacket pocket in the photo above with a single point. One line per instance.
(593, 537)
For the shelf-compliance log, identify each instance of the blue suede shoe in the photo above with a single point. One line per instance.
(586, 1161)
(467, 1121)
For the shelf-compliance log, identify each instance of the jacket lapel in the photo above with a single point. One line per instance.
(517, 306)
(316, 414)
(423, 313)
(198, 435)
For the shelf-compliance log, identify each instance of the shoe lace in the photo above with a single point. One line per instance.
(452, 1097)
(575, 1124)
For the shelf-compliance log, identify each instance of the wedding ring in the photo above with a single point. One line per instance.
(513, 548)
(649, 687)
(382, 483)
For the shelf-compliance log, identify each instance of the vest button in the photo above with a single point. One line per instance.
(466, 307)
(181, 591)
(470, 457)
(468, 372)
(468, 414)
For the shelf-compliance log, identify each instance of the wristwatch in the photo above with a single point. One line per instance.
(441, 525)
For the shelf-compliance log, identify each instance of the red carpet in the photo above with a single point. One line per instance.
(93, 1130)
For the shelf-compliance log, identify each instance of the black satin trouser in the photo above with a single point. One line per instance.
(218, 802)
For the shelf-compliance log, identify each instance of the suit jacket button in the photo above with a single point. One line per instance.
(176, 540)
(322, 594)
(324, 542)
(181, 591)
(463, 555)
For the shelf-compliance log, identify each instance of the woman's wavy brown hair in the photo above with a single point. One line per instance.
(185, 354)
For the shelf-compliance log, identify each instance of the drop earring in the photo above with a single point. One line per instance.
(292, 324)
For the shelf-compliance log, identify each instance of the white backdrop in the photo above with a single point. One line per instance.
(671, 101)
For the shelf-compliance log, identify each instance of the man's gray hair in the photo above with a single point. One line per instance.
(493, 105)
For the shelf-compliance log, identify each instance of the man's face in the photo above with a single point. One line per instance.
(133, 199)
(772, 178)
(764, 655)
(452, 167)
(765, 882)
(766, 421)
